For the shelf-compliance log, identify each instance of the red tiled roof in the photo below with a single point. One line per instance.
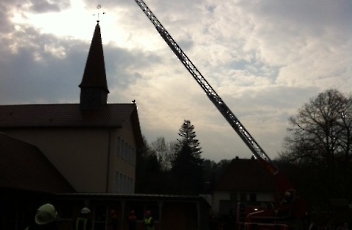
(23, 166)
(246, 175)
(69, 115)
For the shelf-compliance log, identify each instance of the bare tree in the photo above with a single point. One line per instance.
(320, 136)
(165, 152)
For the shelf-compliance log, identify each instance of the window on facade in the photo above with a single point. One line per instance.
(117, 178)
(133, 156)
(233, 196)
(121, 183)
(131, 185)
(118, 146)
(253, 197)
(125, 152)
(125, 184)
(243, 197)
(129, 154)
(122, 148)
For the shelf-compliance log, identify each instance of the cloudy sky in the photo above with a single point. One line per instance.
(265, 58)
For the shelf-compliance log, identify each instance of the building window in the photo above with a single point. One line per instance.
(125, 151)
(233, 196)
(118, 146)
(117, 181)
(133, 156)
(122, 149)
(253, 197)
(243, 197)
(130, 154)
(124, 184)
(121, 183)
(130, 187)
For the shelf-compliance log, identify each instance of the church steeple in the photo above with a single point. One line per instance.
(94, 87)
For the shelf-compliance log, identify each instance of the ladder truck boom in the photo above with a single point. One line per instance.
(282, 184)
(257, 151)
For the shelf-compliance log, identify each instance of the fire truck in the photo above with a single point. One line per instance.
(291, 208)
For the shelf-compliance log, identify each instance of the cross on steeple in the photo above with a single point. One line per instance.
(98, 14)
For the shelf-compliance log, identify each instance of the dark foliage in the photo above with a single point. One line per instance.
(318, 153)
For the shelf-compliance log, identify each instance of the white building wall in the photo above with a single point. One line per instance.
(217, 196)
(235, 196)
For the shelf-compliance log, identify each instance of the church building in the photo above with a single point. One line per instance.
(82, 155)
(92, 143)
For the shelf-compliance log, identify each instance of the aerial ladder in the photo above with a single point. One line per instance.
(282, 184)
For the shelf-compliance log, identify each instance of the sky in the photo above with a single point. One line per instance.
(265, 59)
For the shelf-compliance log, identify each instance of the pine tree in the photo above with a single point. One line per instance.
(189, 138)
(187, 165)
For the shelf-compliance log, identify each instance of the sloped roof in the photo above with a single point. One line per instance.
(245, 175)
(70, 115)
(24, 167)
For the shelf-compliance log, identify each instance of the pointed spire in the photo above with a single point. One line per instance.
(94, 72)
(94, 87)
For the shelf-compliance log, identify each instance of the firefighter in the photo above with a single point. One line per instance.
(285, 206)
(148, 221)
(45, 218)
(113, 222)
(83, 222)
(132, 221)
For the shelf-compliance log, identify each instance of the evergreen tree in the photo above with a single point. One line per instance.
(189, 138)
(187, 166)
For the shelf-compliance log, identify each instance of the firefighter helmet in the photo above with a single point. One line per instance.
(85, 210)
(45, 214)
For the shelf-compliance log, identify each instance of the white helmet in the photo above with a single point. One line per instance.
(85, 210)
(45, 214)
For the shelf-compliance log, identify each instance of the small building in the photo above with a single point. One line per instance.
(244, 180)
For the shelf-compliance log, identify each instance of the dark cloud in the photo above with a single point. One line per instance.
(32, 74)
(36, 6)
(315, 16)
(44, 6)
(44, 68)
(5, 12)
(122, 66)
